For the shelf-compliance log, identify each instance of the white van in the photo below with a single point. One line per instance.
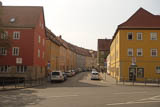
(95, 75)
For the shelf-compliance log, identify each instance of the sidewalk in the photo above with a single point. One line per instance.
(112, 81)
(107, 78)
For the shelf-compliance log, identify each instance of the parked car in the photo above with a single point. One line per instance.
(68, 73)
(95, 75)
(65, 76)
(73, 72)
(57, 76)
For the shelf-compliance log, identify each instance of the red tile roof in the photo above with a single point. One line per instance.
(104, 44)
(142, 19)
(25, 16)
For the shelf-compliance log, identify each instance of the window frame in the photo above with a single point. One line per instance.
(138, 36)
(15, 54)
(4, 35)
(21, 68)
(128, 51)
(128, 35)
(5, 68)
(139, 51)
(3, 51)
(138, 74)
(151, 35)
(16, 35)
(156, 52)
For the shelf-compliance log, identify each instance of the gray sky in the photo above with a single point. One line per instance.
(82, 22)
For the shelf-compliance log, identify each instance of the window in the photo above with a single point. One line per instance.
(139, 36)
(153, 52)
(43, 42)
(21, 68)
(140, 72)
(39, 39)
(158, 69)
(3, 51)
(15, 51)
(130, 51)
(153, 36)
(130, 36)
(4, 35)
(4, 68)
(16, 35)
(139, 52)
(102, 52)
(38, 52)
(43, 55)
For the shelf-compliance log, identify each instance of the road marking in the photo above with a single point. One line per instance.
(61, 96)
(114, 104)
(130, 92)
(152, 98)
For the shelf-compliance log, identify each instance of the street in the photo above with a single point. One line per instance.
(80, 91)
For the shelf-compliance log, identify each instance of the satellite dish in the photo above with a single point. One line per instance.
(12, 20)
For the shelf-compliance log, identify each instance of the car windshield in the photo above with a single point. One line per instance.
(95, 73)
(55, 73)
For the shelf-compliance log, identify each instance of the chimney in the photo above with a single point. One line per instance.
(60, 36)
(0, 3)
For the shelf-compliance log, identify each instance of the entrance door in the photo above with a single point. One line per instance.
(132, 74)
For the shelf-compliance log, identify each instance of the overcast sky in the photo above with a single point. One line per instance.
(82, 22)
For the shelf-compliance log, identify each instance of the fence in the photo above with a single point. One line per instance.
(8, 84)
(142, 82)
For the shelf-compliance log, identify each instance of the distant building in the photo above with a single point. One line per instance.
(102, 53)
(26, 27)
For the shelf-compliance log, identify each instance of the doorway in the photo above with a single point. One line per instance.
(132, 74)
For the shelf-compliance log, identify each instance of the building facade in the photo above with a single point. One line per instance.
(26, 28)
(134, 50)
(102, 53)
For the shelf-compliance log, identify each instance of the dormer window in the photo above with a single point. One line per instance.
(12, 20)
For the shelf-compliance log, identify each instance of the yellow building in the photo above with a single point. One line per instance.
(52, 51)
(135, 48)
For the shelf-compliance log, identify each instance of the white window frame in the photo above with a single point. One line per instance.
(15, 51)
(130, 50)
(153, 50)
(21, 68)
(153, 35)
(16, 35)
(3, 51)
(4, 35)
(39, 39)
(139, 50)
(139, 34)
(128, 35)
(4, 68)
(157, 70)
(39, 53)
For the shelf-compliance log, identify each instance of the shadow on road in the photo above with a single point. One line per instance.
(75, 81)
(18, 98)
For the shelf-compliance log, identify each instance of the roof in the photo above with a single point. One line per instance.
(104, 44)
(52, 36)
(142, 19)
(25, 16)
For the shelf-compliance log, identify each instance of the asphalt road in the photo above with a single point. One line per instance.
(80, 91)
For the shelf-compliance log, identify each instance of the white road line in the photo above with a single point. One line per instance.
(61, 96)
(130, 92)
(114, 104)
